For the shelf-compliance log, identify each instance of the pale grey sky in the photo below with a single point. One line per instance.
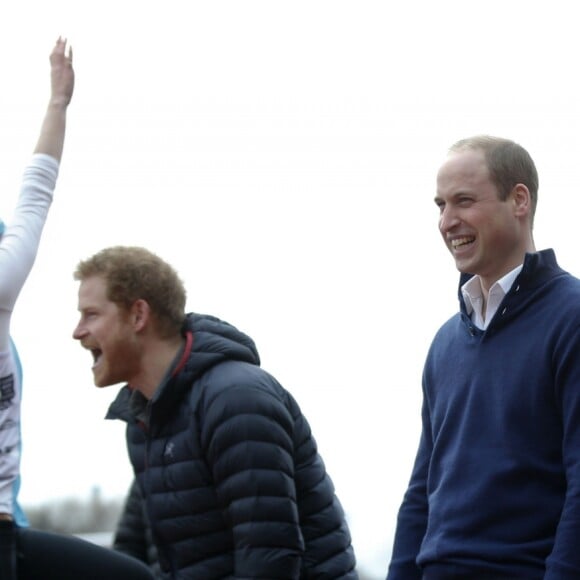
(282, 156)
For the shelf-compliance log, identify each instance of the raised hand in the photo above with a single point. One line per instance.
(62, 73)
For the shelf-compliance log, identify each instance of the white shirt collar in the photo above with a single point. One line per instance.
(473, 297)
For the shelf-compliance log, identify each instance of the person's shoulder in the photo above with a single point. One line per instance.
(560, 301)
(568, 285)
(236, 374)
(238, 383)
(448, 325)
(446, 335)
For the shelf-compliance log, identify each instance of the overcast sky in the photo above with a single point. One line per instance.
(282, 156)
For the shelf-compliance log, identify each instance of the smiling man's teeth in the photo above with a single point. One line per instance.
(461, 242)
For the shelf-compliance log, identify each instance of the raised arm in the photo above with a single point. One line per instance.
(19, 241)
(21, 236)
(51, 138)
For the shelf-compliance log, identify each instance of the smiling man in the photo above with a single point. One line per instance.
(226, 466)
(495, 489)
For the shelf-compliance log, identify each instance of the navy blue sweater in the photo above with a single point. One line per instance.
(495, 490)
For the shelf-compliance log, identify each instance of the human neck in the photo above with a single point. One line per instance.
(156, 359)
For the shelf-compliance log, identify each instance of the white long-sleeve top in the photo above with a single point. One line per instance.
(18, 247)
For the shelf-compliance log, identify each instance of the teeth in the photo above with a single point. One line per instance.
(461, 242)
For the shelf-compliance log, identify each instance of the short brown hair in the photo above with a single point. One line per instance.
(133, 273)
(507, 162)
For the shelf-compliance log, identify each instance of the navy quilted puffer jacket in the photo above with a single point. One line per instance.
(229, 471)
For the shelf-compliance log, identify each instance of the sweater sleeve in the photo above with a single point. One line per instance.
(564, 561)
(18, 247)
(247, 437)
(413, 513)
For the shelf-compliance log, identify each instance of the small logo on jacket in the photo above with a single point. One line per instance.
(6, 392)
(169, 449)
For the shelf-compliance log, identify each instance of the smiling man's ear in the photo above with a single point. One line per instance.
(522, 200)
(140, 314)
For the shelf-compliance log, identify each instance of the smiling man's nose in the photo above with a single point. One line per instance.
(78, 332)
(448, 219)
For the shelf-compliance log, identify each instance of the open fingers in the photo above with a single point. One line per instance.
(58, 52)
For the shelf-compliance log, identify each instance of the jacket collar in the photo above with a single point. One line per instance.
(208, 342)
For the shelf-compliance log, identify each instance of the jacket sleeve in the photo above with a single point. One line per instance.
(247, 438)
(413, 513)
(130, 534)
